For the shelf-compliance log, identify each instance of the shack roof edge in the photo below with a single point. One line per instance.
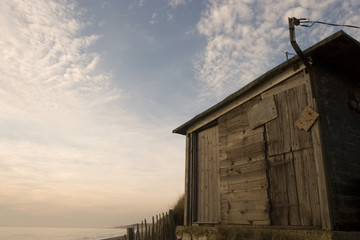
(274, 71)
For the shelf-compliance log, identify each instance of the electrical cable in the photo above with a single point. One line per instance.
(304, 22)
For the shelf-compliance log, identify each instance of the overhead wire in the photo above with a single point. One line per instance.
(304, 22)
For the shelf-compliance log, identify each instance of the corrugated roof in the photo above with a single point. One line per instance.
(339, 51)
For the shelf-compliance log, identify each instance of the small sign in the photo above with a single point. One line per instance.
(307, 118)
(262, 112)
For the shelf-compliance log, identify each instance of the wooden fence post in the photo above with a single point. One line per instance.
(153, 237)
(130, 234)
(172, 225)
(145, 234)
(167, 226)
(137, 232)
(163, 227)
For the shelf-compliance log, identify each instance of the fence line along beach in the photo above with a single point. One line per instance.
(161, 228)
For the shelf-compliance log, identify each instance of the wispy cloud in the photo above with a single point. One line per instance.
(153, 18)
(245, 38)
(44, 63)
(136, 4)
(176, 3)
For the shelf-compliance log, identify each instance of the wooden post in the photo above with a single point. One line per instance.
(153, 237)
(137, 232)
(145, 234)
(130, 234)
(172, 225)
(157, 228)
(163, 227)
(142, 231)
(167, 225)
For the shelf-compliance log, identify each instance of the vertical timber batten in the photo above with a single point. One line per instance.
(326, 218)
(187, 202)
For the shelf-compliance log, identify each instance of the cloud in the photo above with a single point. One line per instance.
(136, 4)
(153, 18)
(176, 3)
(44, 62)
(244, 39)
(68, 135)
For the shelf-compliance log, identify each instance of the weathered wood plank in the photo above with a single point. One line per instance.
(192, 180)
(213, 176)
(245, 217)
(256, 138)
(244, 168)
(234, 159)
(320, 174)
(187, 220)
(285, 206)
(307, 187)
(251, 176)
(217, 217)
(206, 175)
(294, 81)
(297, 102)
(246, 195)
(294, 214)
(277, 131)
(311, 178)
(255, 205)
(307, 118)
(245, 151)
(262, 112)
(194, 177)
(241, 110)
(201, 176)
(278, 191)
(243, 133)
(238, 122)
(248, 185)
(228, 162)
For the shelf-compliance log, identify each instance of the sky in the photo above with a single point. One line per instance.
(91, 90)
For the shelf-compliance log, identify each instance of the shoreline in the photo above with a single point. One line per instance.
(116, 238)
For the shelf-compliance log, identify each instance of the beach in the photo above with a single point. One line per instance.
(116, 238)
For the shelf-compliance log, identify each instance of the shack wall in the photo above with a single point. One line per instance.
(268, 171)
(338, 97)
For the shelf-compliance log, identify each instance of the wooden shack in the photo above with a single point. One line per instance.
(284, 150)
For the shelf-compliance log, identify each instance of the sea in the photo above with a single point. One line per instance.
(49, 233)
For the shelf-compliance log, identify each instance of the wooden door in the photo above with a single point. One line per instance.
(291, 164)
(208, 203)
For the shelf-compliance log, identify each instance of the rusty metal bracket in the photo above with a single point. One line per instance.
(292, 23)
